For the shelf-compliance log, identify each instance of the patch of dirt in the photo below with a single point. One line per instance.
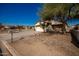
(46, 45)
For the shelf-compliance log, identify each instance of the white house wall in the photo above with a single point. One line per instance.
(39, 29)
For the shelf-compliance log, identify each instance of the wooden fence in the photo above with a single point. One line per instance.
(7, 50)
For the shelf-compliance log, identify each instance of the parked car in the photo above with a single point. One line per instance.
(75, 34)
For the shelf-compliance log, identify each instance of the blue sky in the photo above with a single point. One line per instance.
(23, 14)
(19, 14)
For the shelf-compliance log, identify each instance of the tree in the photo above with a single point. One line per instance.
(48, 11)
(59, 11)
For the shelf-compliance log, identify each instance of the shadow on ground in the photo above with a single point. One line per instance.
(1, 52)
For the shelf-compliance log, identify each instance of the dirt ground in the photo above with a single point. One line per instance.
(45, 44)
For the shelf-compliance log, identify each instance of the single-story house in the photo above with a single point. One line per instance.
(53, 26)
(38, 27)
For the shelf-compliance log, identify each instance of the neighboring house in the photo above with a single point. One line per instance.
(1, 27)
(53, 25)
(28, 27)
(6, 27)
(50, 26)
(57, 26)
(38, 27)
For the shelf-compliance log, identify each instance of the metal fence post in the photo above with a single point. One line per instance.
(11, 36)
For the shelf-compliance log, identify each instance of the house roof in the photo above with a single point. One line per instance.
(37, 24)
(55, 22)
